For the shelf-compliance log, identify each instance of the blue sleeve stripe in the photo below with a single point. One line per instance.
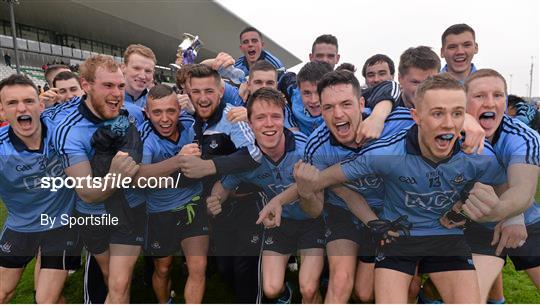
(489, 146)
(315, 142)
(146, 130)
(273, 60)
(529, 136)
(399, 119)
(63, 131)
(385, 142)
(3, 137)
(531, 141)
(248, 134)
(300, 138)
(239, 62)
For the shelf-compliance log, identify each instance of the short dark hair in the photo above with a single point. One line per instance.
(65, 75)
(269, 95)
(513, 100)
(421, 57)
(347, 66)
(340, 77)
(377, 58)
(435, 82)
(262, 65)
(326, 38)
(51, 69)
(17, 80)
(457, 29)
(250, 29)
(204, 71)
(312, 72)
(160, 91)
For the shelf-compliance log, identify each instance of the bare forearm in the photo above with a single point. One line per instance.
(312, 204)
(220, 191)
(331, 176)
(356, 203)
(381, 111)
(161, 169)
(522, 183)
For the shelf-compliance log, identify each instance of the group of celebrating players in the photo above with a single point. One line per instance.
(382, 183)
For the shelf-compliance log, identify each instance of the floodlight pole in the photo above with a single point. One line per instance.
(531, 79)
(14, 33)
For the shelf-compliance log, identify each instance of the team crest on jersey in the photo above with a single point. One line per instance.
(214, 144)
(458, 180)
(438, 201)
(6, 248)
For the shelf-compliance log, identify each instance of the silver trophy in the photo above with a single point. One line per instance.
(187, 51)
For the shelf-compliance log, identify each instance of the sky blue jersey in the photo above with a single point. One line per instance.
(417, 187)
(158, 148)
(73, 141)
(307, 123)
(323, 150)
(275, 177)
(21, 186)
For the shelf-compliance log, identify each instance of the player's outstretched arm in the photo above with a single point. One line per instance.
(306, 177)
(166, 167)
(356, 203)
(270, 215)
(331, 176)
(372, 127)
(484, 206)
(218, 195)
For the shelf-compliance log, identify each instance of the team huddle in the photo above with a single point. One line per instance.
(384, 184)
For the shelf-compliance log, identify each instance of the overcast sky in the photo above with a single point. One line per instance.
(507, 32)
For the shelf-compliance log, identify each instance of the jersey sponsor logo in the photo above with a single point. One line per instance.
(53, 169)
(255, 238)
(214, 144)
(408, 180)
(437, 201)
(366, 183)
(155, 245)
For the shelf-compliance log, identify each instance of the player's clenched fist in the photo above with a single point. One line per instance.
(50, 97)
(185, 103)
(306, 177)
(482, 202)
(237, 114)
(191, 149)
(213, 204)
(122, 164)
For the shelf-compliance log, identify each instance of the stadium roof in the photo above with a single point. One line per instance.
(157, 24)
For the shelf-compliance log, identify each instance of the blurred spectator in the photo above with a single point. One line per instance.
(7, 59)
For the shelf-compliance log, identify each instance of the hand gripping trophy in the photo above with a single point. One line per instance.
(187, 51)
